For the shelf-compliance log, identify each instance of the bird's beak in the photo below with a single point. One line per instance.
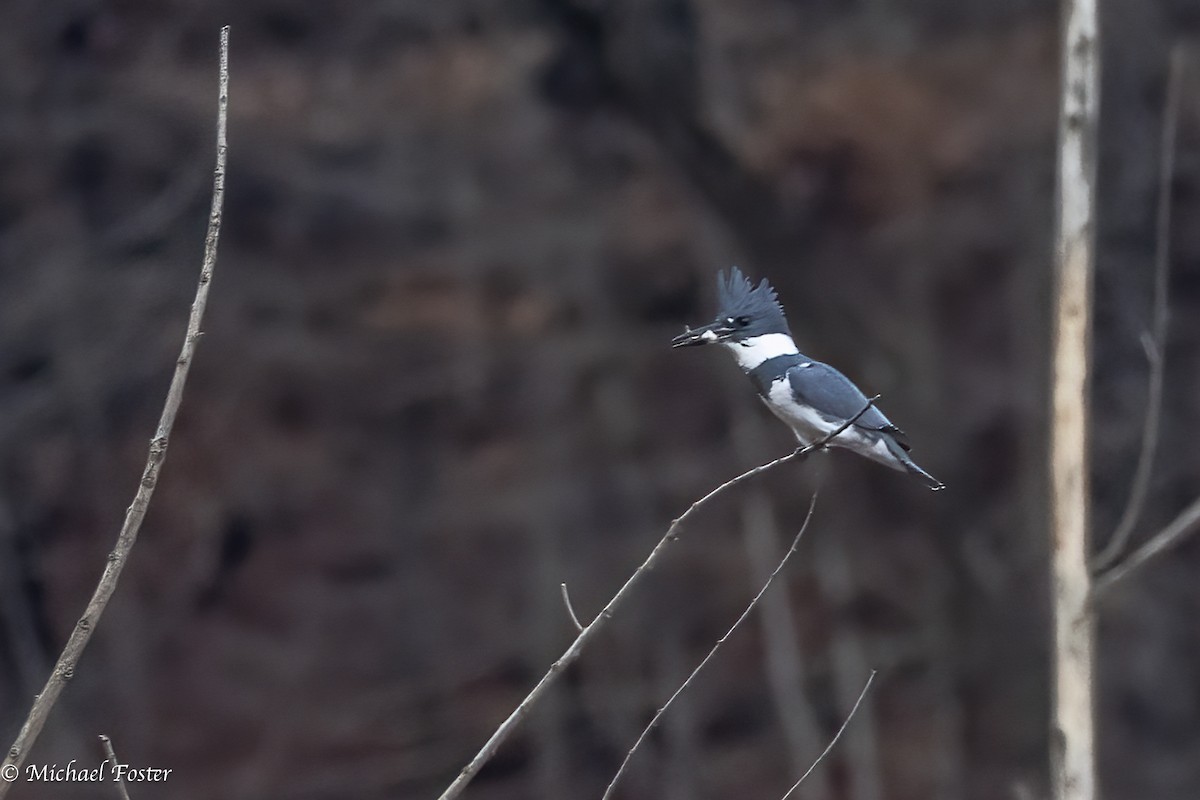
(709, 334)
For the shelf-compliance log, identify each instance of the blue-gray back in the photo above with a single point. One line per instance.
(833, 394)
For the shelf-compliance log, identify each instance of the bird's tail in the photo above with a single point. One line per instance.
(930, 481)
(911, 467)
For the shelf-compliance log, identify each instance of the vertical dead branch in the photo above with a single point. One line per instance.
(1072, 733)
(64, 669)
(1155, 340)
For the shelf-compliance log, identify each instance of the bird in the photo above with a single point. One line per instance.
(812, 398)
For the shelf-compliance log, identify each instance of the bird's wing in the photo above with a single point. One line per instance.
(833, 394)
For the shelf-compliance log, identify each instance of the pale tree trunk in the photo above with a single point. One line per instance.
(1072, 734)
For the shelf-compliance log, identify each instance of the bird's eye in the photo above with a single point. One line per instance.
(742, 322)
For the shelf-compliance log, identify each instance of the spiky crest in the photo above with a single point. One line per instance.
(736, 297)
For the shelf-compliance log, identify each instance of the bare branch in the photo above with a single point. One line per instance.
(566, 596)
(1154, 341)
(576, 647)
(64, 669)
(612, 785)
(111, 755)
(1184, 525)
(836, 736)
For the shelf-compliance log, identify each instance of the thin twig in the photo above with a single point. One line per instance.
(576, 647)
(570, 609)
(1155, 340)
(64, 669)
(1184, 525)
(836, 736)
(112, 759)
(612, 785)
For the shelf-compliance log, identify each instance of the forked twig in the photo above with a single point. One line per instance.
(612, 785)
(64, 669)
(836, 736)
(1155, 340)
(576, 647)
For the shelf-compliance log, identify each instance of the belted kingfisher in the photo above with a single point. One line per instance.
(814, 399)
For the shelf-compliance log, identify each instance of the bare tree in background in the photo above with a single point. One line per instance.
(1073, 734)
(1075, 591)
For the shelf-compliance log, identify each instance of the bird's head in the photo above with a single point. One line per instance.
(744, 311)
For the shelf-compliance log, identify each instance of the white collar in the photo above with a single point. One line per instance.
(757, 349)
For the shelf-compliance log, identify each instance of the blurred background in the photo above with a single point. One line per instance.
(436, 383)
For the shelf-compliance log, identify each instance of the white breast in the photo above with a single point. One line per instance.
(807, 424)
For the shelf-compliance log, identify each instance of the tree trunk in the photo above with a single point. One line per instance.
(1072, 735)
